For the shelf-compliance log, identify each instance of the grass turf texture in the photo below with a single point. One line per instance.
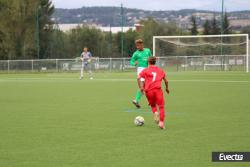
(57, 120)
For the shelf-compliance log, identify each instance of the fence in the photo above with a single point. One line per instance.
(63, 65)
(170, 63)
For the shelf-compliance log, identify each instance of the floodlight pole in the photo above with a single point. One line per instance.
(122, 24)
(110, 40)
(222, 26)
(247, 54)
(37, 32)
(222, 16)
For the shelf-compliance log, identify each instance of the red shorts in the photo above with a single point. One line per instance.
(155, 97)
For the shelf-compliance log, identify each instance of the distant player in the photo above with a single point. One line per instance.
(140, 60)
(153, 76)
(86, 60)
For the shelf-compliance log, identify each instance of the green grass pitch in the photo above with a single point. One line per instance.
(57, 120)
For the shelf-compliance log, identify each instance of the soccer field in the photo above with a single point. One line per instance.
(57, 120)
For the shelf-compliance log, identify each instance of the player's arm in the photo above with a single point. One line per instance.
(150, 54)
(133, 60)
(81, 57)
(166, 84)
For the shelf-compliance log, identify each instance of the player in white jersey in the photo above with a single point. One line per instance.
(86, 60)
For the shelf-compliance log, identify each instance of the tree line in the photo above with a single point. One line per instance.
(108, 44)
(23, 25)
(27, 32)
(212, 27)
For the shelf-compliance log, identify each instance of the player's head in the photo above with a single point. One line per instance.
(152, 60)
(139, 44)
(85, 49)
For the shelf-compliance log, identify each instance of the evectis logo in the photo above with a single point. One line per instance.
(234, 157)
(231, 156)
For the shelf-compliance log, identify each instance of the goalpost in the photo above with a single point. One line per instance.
(203, 52)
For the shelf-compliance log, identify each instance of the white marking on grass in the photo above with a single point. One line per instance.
(211, 81)
(191, 80)
(110, 80)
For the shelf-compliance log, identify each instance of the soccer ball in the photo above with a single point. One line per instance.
(139, 121)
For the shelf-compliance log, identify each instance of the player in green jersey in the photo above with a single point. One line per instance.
(140, 60)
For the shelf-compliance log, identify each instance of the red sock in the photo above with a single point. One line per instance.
(162, 113)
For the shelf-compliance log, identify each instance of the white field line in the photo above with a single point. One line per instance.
(212, 81)
(191, 80)
(111, 80)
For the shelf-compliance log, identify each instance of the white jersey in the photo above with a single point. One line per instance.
(86, 56)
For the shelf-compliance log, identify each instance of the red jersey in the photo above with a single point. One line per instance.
(153, 76)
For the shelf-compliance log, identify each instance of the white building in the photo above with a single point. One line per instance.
(68, 27)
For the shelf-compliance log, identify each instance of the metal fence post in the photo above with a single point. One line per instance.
(177, 63)
(32, 65)
(57, 65)
(186, 63)
(110, 64)
(8, 66)
(123, 64)
(98, 62)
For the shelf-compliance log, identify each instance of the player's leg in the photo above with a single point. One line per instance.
(138, 93)
(81, 73)
(90, 74)
(137, 99)
(138, 96)
(152, 102)
(136, 102)
(88, 67)
(162, 117)
(156, 114)
(160, 103)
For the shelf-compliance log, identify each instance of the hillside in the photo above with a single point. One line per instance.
(104, 16)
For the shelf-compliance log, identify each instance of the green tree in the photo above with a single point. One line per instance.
(18, 31)
(214, 27)
(226, 25)
(44, 10)
(87, 36)
(194, 30)
(130, 38)
(58, 45)
(3, 8)
(129, 42)
(206, 28)
(152, 28)
(17, 27)
(246, 30)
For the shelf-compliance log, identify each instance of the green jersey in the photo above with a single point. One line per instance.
(141, 56)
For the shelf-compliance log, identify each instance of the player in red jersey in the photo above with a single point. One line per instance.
(153, 76)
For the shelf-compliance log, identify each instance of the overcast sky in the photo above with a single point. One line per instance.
(230, 5)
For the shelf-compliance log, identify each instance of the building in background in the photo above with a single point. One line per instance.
(68, 27)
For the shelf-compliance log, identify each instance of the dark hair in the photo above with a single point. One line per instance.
(152, 60)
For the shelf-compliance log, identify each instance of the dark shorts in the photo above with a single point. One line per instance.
(86, 66)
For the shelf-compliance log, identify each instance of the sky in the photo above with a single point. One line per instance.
(214, 5)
